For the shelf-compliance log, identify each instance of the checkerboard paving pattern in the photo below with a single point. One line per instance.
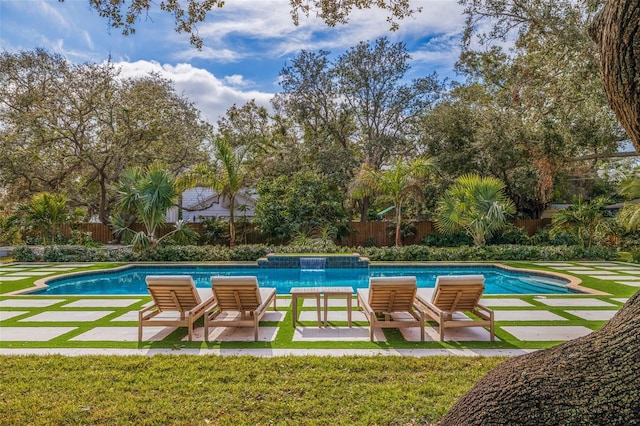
(114, 319)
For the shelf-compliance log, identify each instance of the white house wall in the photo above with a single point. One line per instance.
(219, 207)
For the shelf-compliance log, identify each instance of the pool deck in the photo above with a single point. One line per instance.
(107, 325)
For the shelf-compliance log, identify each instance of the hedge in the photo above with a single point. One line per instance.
(253, 252)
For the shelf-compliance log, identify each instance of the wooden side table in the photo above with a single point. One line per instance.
(346, 292)
(305, 293)
(326, 292)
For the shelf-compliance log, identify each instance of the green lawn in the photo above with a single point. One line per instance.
(200, 390)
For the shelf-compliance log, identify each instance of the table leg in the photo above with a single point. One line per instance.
(294, 302)
(326, 310)
(318, 309)
(349, 303)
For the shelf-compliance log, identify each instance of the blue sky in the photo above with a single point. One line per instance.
(246, 43)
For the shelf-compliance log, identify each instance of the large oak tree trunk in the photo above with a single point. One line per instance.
(593, 380)
(616, 31)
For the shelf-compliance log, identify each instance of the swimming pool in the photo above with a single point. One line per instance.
(130, 280)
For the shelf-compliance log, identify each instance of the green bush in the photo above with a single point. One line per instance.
(24, 254)
(544, 237)
(251, 253)
(487, 253)
(447, 240)
(510, 235)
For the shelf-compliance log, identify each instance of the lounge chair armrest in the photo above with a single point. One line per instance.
(147, 307)
(205, 305)
(430, 310)
(265, 303)
(365, 305)
(483, 310)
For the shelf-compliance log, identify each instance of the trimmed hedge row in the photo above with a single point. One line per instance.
(254, 252)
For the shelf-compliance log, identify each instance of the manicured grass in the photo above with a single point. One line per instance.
(11, 286)
(233, 390)
(610, 287)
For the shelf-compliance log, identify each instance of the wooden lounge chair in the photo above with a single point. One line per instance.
(387, 301)
(172, 293)
(238, 294)
(459, 293)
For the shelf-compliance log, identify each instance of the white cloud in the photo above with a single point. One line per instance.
(213, 96)
(236, 80)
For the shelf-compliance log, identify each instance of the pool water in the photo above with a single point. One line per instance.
(131, 281)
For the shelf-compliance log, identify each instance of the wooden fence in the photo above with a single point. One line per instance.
(362, 233)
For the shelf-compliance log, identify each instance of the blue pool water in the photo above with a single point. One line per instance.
(130, 280)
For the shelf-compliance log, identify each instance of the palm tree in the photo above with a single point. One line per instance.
(582, 219)
(399, 182)
(227, 175)
(629, 216)
(45, 212)
(475, 204)
(147, 194)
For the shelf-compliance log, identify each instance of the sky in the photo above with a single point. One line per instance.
(246, 43)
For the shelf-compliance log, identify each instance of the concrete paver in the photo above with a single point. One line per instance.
(578, 301)
(235, 334)
(5, 315)
(123, 334)
(600, 315)
(336, 334)
(531, 315)
(549, 333)
(630, 283)
(26, 302)
(33, 334)
(463, 334)
(505, 302)
(67, 316)
(101, 303)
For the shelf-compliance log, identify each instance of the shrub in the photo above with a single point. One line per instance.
(544, 237)
(249, 252)
(451, 240)
(487, 253)
(510, 235)
(252, 253)
(24, 254)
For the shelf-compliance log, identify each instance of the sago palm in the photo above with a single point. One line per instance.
(399, 182)
(147, 194)
(476, 205)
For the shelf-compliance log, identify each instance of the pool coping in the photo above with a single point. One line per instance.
(573, 283)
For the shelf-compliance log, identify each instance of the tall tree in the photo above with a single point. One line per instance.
(358, 109)
(227, 175)
(548, 95)
(75, 128)
(302, 203)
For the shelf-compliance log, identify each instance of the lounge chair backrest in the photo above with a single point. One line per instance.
(392, 294)
(236, 293)
(173, 292)
(458, 292)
